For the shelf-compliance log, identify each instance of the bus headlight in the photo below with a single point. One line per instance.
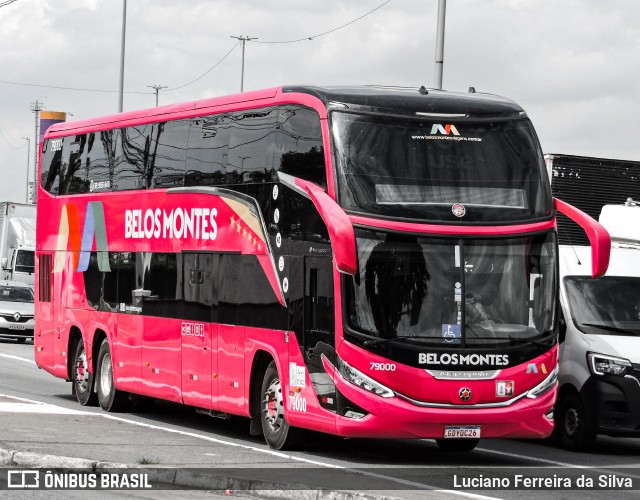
(601, 364)
(547, 384)
(359, 379)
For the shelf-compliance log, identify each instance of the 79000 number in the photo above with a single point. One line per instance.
(385, 367)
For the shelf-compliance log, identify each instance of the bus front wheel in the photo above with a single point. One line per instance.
(277, 432)
(110, 398)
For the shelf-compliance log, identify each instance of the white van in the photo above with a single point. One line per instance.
(600, 336)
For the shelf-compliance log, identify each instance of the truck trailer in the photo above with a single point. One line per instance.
(17, 241)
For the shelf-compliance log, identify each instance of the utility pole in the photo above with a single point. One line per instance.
(124, 31)
(442, 7)
(26, 196)
(243, 39)
(36, 107)
(157, 89)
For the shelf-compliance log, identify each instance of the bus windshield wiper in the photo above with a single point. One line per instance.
(394, 339)
(613, 329)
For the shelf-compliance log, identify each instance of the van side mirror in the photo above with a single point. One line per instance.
(598, 236)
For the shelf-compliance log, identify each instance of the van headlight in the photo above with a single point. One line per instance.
(548, 383)
(601, 364)
(359, 379)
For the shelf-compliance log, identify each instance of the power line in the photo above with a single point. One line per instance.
(7, 140)
(7, 2)
(206, 72)
(332, 30)
(23, 84)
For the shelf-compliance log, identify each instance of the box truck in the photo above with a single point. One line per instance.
(17, 241)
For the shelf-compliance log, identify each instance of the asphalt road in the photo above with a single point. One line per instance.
(175, 436)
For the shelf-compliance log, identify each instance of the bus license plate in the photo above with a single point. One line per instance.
(464, 432)
(16, 327)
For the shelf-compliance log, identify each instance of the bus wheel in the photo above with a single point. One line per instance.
(277, 432)
(457, 444)
(571, 424)
(110, 398)
(82, 378)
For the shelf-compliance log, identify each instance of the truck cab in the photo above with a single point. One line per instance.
(599, 370)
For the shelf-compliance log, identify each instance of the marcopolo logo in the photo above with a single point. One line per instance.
(447, 129)
(81, 243)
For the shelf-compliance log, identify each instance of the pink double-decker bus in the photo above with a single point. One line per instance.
(360, 261)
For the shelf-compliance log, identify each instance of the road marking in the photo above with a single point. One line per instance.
(417, 486)
(605, 469)
(10, 356)
(36, 408)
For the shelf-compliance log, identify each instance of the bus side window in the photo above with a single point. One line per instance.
(51, 165)
(200, 281)
(169, 151)
(100, 161)
(207, 151)
(251, 142)
(299, 150)
(134, 164)
(73, 179)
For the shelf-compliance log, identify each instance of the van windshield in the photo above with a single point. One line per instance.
(605, 306)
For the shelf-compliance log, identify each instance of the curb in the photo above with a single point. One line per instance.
(187, 479)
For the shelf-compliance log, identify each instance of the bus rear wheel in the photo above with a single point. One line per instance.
(457, 444)
(82, 378)
(277, 432)
(110, 398)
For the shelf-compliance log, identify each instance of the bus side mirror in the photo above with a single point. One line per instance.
(598, 236)
(341, 233)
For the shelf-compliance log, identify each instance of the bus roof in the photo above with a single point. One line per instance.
(404, 100)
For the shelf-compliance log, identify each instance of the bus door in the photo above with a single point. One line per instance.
(199, 329)
(319, 326)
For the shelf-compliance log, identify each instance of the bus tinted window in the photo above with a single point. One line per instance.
(73, 178)
(208, 150)
(150, 154)
(251, 142)
(100, 160)
(159, 294)
(299, 150)
(51, 165)
(200, 279)
(168, 154)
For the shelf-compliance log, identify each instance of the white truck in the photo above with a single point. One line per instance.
(599, 372)
(17, 241)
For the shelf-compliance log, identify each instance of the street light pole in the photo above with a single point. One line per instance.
(157, 89)
(442, 7)
(124, 31)
(36, 107)
(26, 196)
(243, 39)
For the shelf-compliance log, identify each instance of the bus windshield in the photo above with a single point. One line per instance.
(502, 291)
(606, 306)
(491, 170)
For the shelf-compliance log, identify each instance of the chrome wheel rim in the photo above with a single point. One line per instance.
(105, 375)
(273, 407)
(82, 373)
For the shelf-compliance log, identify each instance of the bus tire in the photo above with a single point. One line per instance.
(82, 378)
(572, 432)
(457, 445)
(110, 398)
(277, 432)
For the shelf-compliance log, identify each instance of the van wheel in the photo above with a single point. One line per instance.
(277, 432)
(82, 378)
(457, 444)
(110, 398)
(571, 424)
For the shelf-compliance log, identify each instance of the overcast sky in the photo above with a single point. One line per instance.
(573, 65)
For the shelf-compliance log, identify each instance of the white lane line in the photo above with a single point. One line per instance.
(418, 486)
(39, 409)
(604, 469)
(10, 356)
